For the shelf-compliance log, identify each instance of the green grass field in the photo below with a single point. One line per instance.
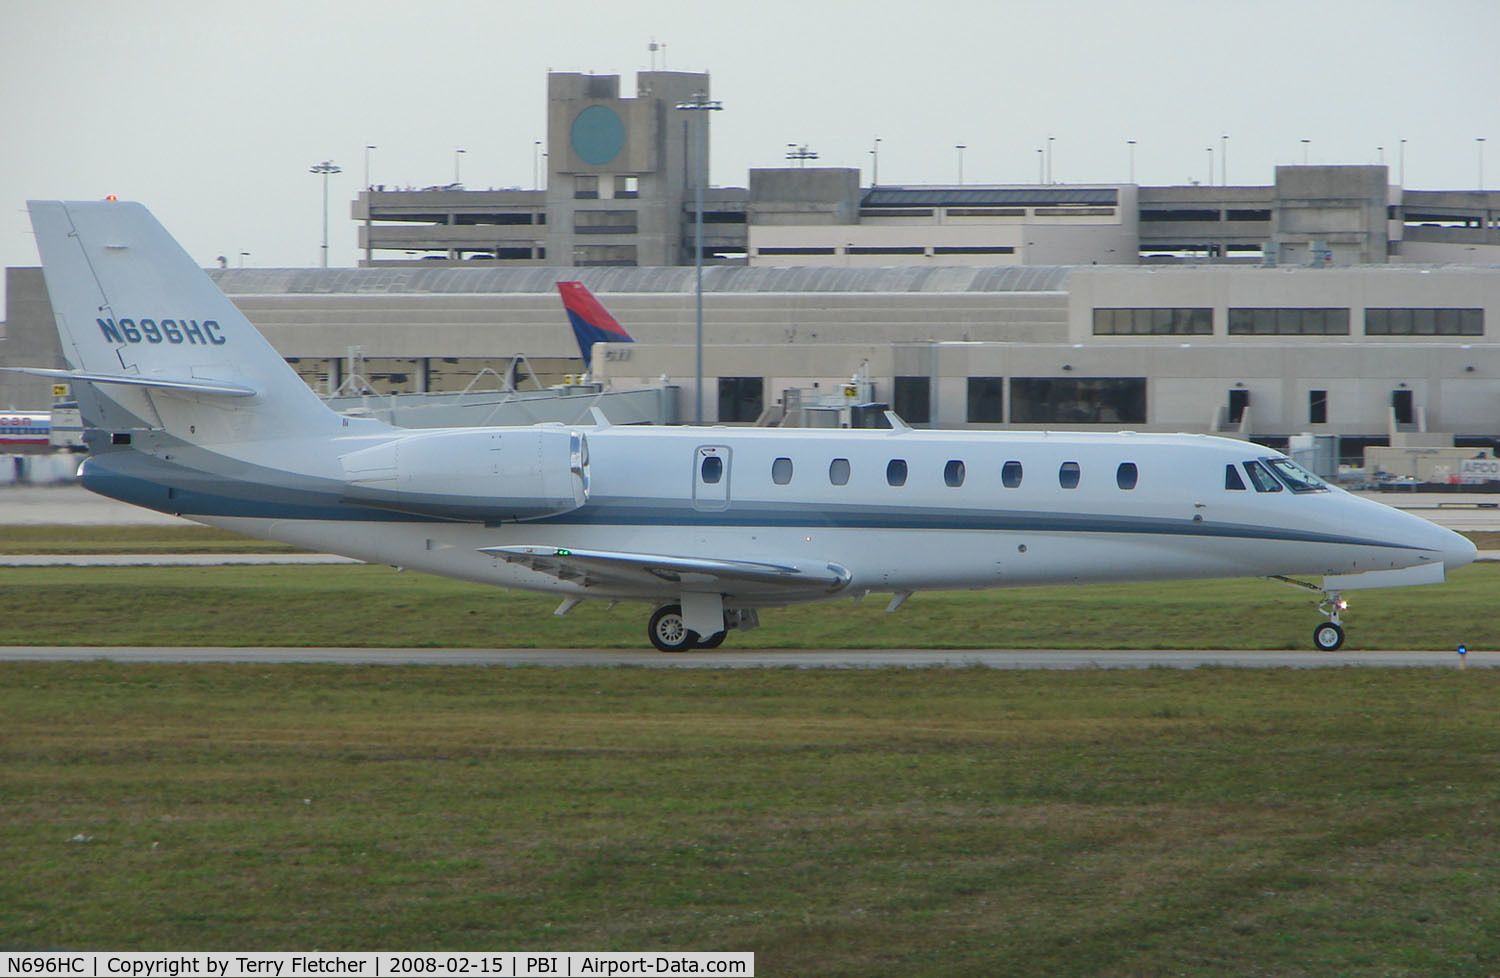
(881, 822)
(375, 606)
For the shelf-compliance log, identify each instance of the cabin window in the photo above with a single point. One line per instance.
(1068, 474)
(838, 472)
(1232, 478)
(1010, 475)
(712, 470)
(895, 472)
(953, 473)
(1126, 475)
(1261, 477)
(781, 471)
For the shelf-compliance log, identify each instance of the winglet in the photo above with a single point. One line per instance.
(897, 425)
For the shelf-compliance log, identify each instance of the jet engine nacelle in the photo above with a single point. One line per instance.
(488, 474)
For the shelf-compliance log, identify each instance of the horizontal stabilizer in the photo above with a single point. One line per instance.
(194, 386)
(593, 567)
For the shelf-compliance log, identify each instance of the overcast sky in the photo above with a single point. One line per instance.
(211, 113)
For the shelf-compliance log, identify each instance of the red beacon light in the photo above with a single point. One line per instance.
(111, 197)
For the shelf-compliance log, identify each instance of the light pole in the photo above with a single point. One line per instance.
(1210, 150)
(1224, 158)
(960, 147)
(536, 157)
(457, 155)
(1402, 160)
(1305, 144)
(1050, 141)
(799, 153)
(369, 189)
(325, 168)
(875, 157)
(1479, 142)
(1041, 166)
(700, 103)
(1131, 144)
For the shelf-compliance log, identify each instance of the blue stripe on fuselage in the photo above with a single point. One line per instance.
(222, 497)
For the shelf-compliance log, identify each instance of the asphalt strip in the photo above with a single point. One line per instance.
(759, 659)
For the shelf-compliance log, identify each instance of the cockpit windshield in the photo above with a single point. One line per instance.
(1295, 476)
(1261, 477)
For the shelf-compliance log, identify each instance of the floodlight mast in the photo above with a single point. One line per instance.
(700, 103)
(324, 169)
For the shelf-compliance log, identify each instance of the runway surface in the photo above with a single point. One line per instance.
(760, 659)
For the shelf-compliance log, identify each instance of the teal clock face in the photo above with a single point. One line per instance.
(598, 135)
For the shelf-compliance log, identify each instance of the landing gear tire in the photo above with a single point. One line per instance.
(713, 641)
(1328, 636)
(668, 630)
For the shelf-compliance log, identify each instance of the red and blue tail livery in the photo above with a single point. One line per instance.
(592, 323)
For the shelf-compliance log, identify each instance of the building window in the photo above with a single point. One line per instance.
(1078, 400)
(1153, 322)
(953, 474)
(793, 251)
(627, 187)
(1148, 217)
(1010, 475)
(888, 250)
(1317, 407)
(974, 250)
(1068, 474)
(604, 255)
(1126, 475)
(895, 472)
(1239, 399)
(586, 188)
(1403, 406)
(1424, 322)
(912, 399)
(838, 472)
(986, 399)
(1289, 322)
(604, 222)
(741, 399)
(781, 471)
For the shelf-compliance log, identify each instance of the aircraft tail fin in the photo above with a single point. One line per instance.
(592, 323)
(151, 341)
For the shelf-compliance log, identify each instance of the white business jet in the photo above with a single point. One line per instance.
(189, 410)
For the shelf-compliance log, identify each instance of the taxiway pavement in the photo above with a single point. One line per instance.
(766, 659)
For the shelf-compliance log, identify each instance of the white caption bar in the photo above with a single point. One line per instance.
(384, 964)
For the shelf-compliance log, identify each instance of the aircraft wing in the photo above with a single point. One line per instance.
(599, 567)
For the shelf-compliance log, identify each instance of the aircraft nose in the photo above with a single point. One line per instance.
(1458, 550)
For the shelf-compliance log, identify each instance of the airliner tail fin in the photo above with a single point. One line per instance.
(592, 323)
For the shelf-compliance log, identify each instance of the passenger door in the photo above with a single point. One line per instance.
(711, 477)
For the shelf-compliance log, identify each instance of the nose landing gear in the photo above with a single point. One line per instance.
(1329, 636)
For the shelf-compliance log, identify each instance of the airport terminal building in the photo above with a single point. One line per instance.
(1326, 301)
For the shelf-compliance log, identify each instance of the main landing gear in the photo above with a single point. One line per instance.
(1329, 636)
(669, 631)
